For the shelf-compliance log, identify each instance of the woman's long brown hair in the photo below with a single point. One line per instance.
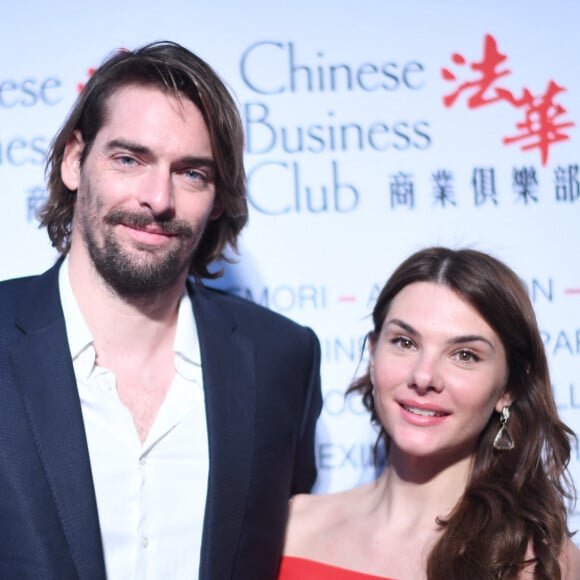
(517, 499)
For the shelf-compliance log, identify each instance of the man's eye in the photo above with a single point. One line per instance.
(195, 174)
(125, 160)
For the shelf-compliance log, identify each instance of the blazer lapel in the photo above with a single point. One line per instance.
(44, 372)
(230, 393)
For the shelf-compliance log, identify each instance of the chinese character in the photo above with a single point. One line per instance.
(525, 184)
(90, 73)
(488, 74)
(402, 190)
(484, 186)
(567, 183)
(35, 199)
(540, 126)
(443, 187)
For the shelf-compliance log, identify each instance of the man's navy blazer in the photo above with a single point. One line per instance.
(262, 388)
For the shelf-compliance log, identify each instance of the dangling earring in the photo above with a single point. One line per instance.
(503, 440)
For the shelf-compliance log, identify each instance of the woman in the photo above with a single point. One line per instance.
(476, 483)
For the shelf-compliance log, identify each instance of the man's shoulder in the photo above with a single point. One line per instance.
(11, 296)
(11, 290)
(39, 281)
(16, 282)
(24, 294)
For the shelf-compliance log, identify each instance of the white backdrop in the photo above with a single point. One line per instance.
(373, 128)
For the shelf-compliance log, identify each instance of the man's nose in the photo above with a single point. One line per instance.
(156, 192)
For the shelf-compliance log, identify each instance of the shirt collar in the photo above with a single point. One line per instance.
(186, 344)
(80, 339)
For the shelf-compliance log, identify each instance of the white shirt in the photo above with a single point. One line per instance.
(150, 497)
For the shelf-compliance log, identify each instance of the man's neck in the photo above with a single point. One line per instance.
(134, 339)
(137, 324)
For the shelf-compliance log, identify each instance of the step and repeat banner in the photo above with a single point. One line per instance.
(373, 129)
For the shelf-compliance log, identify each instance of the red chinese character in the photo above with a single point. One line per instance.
(488, 75)
(541, 127)
(90, 73)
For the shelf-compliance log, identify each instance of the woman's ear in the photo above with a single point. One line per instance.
(371, 347)
(70, 168)
(506, 399)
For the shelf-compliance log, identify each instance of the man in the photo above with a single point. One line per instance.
(149, 427)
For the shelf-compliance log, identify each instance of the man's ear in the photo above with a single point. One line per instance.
(70, 168)
(216, 212)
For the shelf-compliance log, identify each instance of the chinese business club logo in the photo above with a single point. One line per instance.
(543, 123)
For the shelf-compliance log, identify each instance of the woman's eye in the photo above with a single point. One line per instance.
(467, 356)
(403, 342)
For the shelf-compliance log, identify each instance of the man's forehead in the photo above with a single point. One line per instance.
(123, 95)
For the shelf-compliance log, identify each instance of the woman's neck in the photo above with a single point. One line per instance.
(418, 490)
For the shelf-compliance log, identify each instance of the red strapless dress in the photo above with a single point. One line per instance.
(301, 569)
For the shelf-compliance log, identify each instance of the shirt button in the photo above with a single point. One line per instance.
(144, 541)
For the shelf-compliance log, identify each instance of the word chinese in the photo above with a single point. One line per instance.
(30, 92)
(287, 73)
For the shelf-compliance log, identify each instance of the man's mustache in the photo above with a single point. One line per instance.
(142, 220)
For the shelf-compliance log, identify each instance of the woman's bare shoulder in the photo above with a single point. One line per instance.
(316, 509)
(570, 561)
(315, 516)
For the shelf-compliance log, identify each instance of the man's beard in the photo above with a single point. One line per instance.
(131, 275)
